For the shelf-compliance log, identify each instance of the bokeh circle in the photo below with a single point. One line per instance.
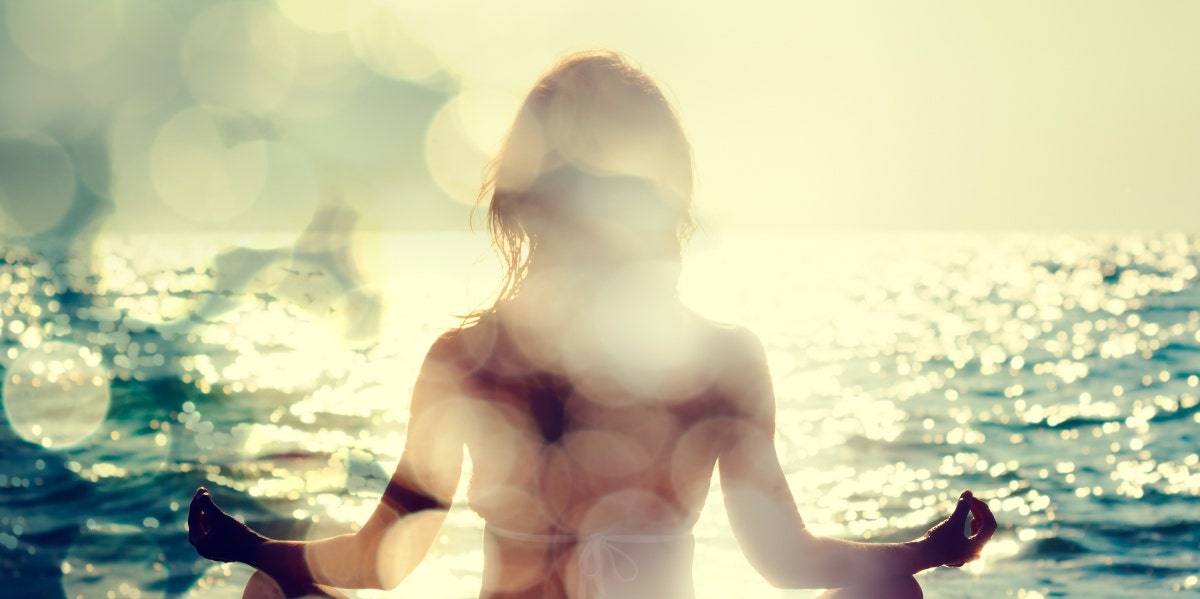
(57, 394)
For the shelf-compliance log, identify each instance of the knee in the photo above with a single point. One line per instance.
(907, 588)
(261, 586)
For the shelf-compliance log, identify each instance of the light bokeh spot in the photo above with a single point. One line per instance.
(383, 42)
(322, 16)
(57, 394)
(37, 183)
(401, 547)
(241, 55)
(658, 340)
(206, 170)
(463, 136)
(287, 202)
(65, 34)
(167, 263)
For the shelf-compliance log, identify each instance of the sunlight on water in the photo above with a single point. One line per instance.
(128, 564)
(995, 330)
(1056, 378)
(201, 283)
(160, 286)
(223, 581)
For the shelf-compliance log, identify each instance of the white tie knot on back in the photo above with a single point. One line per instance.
(599, 559)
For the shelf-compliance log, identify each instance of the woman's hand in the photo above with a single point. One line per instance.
(949, 543)
(218, 536)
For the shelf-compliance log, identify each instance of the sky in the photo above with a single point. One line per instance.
(1025, 115)
(1041, 116)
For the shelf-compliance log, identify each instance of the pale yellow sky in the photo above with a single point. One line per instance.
(1063, 115)
(982, 115)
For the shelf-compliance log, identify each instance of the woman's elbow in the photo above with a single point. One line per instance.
(383, 582)
(378, 572)
(801, 566)
(384, 568)
(388, 554)
(793, 576)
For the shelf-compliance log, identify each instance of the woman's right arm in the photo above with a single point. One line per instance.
(403, 525)
(764, 516)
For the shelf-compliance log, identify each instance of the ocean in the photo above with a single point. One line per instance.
(1057, 376)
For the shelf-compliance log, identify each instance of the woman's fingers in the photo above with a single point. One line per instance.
(984, 524)
(976, 521)
(958, 519)
(973, 524)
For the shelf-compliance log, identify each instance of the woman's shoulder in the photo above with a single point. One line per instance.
(725, 341)
(474, 331)
(735, 361)
(463, 349)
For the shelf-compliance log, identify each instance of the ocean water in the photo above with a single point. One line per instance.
(1057, 376)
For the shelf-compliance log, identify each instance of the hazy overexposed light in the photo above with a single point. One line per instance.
(647, 343)
(210, 170)
(37, 183)
(322, 16)
(65, 34)
(712, 284)
(286, 205)
(456, 165)
(57, 394)
(241, 55)
(463, 136)
(427, 280)
(317, 350)
(327, 76)
(384, 43)
(461, 33)
(203, 174)
(149, 287)
(136, 204)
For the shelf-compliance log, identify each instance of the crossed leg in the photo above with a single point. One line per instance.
(261, 586)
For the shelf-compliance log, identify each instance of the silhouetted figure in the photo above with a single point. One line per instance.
(594, 405)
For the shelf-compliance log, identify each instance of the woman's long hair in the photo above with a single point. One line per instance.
(593, 115)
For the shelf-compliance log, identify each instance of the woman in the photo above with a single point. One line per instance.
(594, 405)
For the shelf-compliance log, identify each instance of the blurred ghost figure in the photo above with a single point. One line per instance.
(594, 405)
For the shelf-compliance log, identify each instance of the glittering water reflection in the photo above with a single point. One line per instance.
(1056, 377)
(114, 560)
